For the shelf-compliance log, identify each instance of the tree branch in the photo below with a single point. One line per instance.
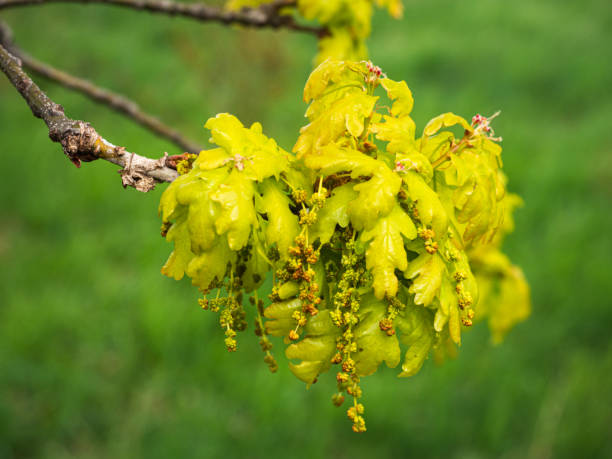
(79, 139)
(115, 101)
(266, 15)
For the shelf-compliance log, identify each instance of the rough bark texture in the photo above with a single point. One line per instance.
(115, 101)
(79, 139)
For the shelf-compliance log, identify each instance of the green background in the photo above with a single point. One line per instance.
(101, 356)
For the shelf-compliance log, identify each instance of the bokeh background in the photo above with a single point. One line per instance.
(101, 356)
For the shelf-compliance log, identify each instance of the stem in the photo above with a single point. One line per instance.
(115, 101)
(448, 154)
(79, 139)
(364, 134)
(263, 255)
(266, 15)
(287, 182)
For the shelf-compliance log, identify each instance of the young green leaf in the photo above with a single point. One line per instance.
(385, 252)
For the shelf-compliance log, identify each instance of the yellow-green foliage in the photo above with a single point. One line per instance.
(347, 23)
(378, 240)
(504, 292)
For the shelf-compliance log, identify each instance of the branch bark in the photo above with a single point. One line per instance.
(266, 15)
(115, 101)
(79, 139)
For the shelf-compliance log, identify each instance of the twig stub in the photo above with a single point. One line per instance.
(79, 140)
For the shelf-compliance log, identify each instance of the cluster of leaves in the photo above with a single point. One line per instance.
(377, 240)
(229, 216)
(347, 22)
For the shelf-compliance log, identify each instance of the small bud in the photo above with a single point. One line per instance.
(299, 196)
(230, 344)
(359, 424)
(293, 335)
(338, 399)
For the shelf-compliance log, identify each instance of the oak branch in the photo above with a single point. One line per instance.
(117, 102)
(267, 15)
(79, 140)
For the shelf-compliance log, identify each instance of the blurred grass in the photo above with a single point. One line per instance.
(101, 356)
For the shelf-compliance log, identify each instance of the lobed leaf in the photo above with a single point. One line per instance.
(427, 272)
(401, 96)
(282, 225)
(443, 121)
(398, 132)
(315, 350)
(431, 212)
(334, 212)
(237, 216)
(385, 252)
(373, 345)
(414, 326)
(346, 115)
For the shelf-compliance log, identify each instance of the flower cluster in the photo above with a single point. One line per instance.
(302, 256)
(184, 165)
(260, 331)
(482, 126)
(231, 318)
(298, 269)
(374, 74)
(345, 316)
(395, 307)
(465, 299)
(428, 235)
(369, 232)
